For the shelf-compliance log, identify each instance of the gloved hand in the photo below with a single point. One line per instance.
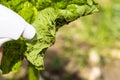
(12, 26)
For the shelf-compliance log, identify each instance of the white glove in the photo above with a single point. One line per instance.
(12, 26)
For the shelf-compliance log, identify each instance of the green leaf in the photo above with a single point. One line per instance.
(47, 16)
(13, 56)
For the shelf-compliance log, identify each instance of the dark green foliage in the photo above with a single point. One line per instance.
(13, 55)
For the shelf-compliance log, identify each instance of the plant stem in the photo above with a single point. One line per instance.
(33, 74)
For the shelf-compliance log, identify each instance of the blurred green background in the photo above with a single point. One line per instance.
(86, 49)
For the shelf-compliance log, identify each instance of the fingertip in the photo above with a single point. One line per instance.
(29, 32)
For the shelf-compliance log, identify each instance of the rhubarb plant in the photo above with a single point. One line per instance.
(47, 16)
